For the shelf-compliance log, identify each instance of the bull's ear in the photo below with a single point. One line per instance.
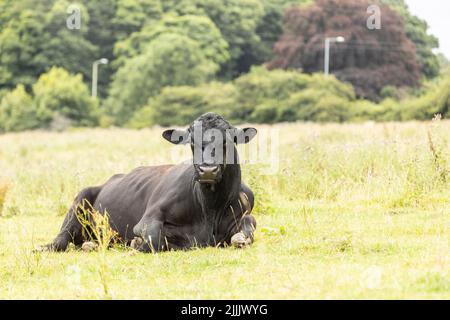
(244, 135)
(177, 136)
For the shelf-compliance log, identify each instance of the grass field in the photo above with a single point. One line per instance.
(354, 211)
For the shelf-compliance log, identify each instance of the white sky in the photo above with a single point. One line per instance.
(437, 14)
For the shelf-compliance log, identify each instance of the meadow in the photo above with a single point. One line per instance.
(354, 211)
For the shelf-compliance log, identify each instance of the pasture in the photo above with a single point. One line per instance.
(354, 211)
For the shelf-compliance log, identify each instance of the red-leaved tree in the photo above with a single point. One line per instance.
(369, 59)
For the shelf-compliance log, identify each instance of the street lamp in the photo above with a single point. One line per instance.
(94, 75)
(326, 67)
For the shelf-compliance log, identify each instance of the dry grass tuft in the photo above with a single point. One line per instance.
(5, 186)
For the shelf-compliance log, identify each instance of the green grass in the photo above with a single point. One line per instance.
(355, 211)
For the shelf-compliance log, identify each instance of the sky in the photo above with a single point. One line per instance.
(437, 14)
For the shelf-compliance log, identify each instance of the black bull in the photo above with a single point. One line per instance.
(173, 206)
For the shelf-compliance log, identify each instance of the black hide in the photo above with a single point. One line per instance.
(166, 206)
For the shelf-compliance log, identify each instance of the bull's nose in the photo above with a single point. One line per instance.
(208, 173)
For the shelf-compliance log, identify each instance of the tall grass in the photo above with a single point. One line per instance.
(96, 227)
(355, 211)
(437, 150)
(4, 188)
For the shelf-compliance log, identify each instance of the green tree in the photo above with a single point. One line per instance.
(237, 20)
(179, 105)
(168, 60)
(17, 111)
(60, 94)
(19, 38)
(198, 28)
(273, 96)
(101, 32)
(316, 105)
(435, 100)
(34, 37)
(261, 85)
(132, 15)
(69, 49)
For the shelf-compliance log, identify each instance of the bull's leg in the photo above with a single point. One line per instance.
(247, 224)
(149, 232)
(248, 227)
(71, 230)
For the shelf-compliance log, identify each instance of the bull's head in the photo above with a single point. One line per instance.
(212, 141)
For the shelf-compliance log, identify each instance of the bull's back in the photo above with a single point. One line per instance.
(124, 197)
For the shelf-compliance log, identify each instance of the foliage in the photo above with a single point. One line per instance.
(236, 19)
(436, 100)
(417, 31)
(35, 37)
(316, 105)
(103, 33)
(58, 93)
(270, 28)
(387, 110)
(198, 28)
(181, 45)
(179, 105)
(261, 96)
(260, 85)
(368, 60)
(169, 60)
(17, 111)
(132, 15)
(274, 96)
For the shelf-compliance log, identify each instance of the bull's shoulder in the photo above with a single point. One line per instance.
(143, 171)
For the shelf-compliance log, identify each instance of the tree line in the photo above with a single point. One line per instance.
(253, 60)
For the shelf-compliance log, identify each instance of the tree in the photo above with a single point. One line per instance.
(102, 32)
(59, 94)
(237, 20)
(34, 37)
(179, 105)
(270, 29)
(198, 28)
(277, 95)
(19, 39)
(17, 111)
(169, 60)
(436, 100)
(369, 59)
(132, 15)
(60, 46)
(417, 31)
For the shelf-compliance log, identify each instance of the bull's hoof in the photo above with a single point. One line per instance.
(137, 243)
(239, 240)
(89, 246)
(44, 248)
(51, 247)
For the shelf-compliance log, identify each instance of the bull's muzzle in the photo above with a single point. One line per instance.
(208, 174)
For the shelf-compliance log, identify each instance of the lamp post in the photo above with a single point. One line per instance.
(326, 67)
(95, 75)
